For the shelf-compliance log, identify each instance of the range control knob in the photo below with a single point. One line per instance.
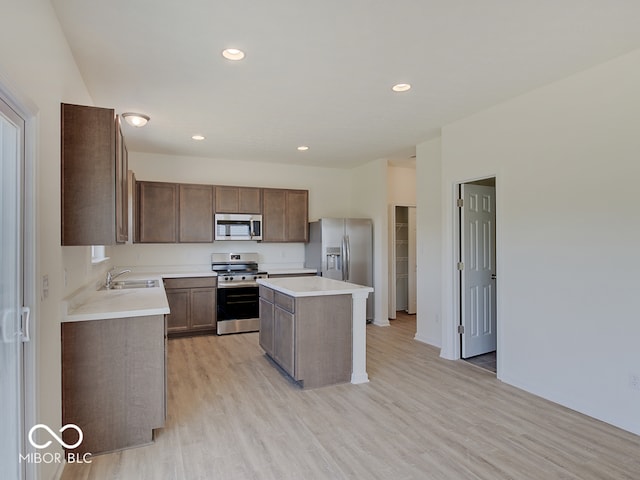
(244, 278)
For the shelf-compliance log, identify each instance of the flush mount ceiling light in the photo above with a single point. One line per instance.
(233, 54)
(303, 148)
(136, 119)
(198, 137)
(401, 87)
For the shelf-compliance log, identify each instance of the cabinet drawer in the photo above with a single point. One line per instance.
(191, 282)
(266, 293)
(285, 302)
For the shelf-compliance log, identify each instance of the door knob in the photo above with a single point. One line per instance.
(493, 276)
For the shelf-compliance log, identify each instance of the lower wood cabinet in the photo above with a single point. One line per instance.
(192, 302)
(113, 382)
(310, 338)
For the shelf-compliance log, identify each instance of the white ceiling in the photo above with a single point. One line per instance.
(319, 73)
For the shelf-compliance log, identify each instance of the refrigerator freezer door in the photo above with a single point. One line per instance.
(332, 232)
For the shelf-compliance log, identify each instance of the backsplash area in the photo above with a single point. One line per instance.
(272, 255)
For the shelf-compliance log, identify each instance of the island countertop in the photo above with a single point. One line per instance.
(313, 286)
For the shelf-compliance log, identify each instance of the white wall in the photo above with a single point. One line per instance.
(429, 242)
(369, 200)
(566, 162)
(36, 65)
(401, 185)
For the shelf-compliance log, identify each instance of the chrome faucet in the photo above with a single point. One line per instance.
(111, 276)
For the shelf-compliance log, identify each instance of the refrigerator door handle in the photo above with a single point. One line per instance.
(343, 256)
(347, 261)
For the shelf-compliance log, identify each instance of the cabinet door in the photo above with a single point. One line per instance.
(274, 218)
(285, 215)
(283, 344)
(122, 190)
(238, 200)
(203, 308)
(88, 175)
(227, 200)
(266, 326)
(297, 216)
(249, 200)
(157, 207)
(196, 213)
(179, 306)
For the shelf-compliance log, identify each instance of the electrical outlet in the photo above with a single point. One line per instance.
(634, 381)
(45, 286)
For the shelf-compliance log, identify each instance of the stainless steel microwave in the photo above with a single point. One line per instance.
(235, 226)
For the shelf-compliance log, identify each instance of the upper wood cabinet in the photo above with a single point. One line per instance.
(238, 199)
(195, 213)
(285, 216)
(93, 177)
(174, 212)
(157, 212)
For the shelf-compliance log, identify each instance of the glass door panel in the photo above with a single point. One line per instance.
(11, 409)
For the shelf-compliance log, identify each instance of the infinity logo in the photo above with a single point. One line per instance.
(54, 435)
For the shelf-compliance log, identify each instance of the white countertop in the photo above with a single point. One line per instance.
(313, 286)
(291, 271)
(94, 304)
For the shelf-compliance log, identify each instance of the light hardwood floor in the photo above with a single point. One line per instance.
(233, 415)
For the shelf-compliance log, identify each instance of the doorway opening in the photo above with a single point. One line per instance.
(477, 275)
(402, 260)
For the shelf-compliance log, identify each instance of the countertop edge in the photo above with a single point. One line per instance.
(343, 290)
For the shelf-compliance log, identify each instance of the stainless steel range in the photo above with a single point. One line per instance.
(238, 299)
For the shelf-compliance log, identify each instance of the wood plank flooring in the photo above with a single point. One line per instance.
(233, 415)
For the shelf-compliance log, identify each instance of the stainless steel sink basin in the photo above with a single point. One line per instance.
(126, 284)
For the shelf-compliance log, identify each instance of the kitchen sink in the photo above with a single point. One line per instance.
(126, 284)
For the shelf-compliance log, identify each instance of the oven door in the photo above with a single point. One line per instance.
(238, 303)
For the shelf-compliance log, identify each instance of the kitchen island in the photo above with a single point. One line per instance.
(314, 328)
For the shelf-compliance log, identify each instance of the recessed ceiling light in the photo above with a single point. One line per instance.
(401, 87)
(198, 137)
(303, 148)
(233, 54)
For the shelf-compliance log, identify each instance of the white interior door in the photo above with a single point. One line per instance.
(478, 283)
(12, 315)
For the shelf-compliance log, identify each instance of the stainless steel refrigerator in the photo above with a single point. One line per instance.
(342, 249)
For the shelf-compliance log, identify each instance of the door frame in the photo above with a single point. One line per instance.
(391, 257)
(28, 111)
(451, 348)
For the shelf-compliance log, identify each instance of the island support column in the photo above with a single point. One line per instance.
(359, 353)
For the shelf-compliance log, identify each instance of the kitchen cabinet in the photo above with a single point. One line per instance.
(192, 302)
(266, 320)
(238, 199)
(113, 382)
(195, 213)
(157, 212)
(174, 213)
(310, 338)
(94, 167)
(285, 215)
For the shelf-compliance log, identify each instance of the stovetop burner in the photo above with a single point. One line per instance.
(236, 269)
